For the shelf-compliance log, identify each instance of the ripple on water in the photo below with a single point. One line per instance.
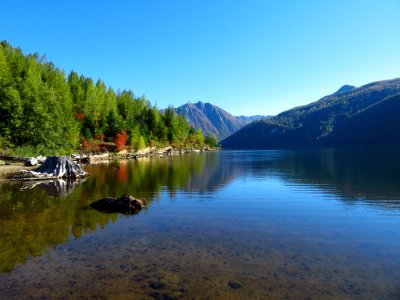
(221, 226)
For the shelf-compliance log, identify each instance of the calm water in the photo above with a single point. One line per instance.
(319, 224)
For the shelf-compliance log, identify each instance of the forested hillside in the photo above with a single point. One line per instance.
(365, 115)
(43, 109)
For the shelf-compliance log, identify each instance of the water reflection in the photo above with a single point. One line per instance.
(147, 177)
(54, 187)
(32, 222)
(38, 217)
(353, 174)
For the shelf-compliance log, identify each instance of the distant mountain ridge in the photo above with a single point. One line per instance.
(247, 120)
(212, 119)
(364, 115)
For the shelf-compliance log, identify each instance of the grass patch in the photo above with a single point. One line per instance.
(29, 151)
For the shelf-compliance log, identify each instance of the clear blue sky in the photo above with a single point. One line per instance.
(248, 57)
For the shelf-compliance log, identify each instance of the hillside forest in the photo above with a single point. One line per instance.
(43, 111)
(352, 116)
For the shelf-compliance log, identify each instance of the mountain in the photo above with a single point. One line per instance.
(343, 89)
(247, 120)
(211, 119)
(364, 115)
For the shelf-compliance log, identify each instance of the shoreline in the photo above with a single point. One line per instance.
(12, 164)
(7, 169)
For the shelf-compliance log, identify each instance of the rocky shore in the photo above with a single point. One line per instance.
(12, 164)
(148, 152)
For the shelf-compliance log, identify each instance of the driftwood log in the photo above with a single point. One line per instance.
(126, 205)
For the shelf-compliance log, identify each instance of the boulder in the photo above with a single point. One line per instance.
(122, 152)
(31, 161)
(41, 159)
(126, 204)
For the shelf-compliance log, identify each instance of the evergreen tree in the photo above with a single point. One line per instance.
(43, 109)
(211, 140)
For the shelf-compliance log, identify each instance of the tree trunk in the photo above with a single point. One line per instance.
(60, 167)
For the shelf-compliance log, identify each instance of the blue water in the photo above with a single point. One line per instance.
(297, 224)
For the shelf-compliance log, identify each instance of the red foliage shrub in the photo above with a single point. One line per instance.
(120, 140)
(87, 145)
(80, 116)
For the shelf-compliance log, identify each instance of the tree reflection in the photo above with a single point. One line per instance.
(35, 217)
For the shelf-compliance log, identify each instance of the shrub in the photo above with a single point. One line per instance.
(120, 140)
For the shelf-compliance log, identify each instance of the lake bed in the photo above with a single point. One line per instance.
(298, 223)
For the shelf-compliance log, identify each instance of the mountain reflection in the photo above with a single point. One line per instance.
(39, 216)
(351, 173)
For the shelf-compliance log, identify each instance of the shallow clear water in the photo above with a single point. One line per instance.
(309, 223)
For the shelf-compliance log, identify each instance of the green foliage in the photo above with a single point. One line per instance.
(41, 109)
(211, 140)
(29, 150)
(197, 138)
(113, 124)
(36, 106)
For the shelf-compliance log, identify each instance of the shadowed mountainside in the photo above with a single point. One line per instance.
(364, 115)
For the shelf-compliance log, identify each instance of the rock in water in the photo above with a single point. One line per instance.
(57, 167)
(126, 205)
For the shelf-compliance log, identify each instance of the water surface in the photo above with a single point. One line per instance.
(299, 224)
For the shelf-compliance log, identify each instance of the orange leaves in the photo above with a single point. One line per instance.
(120, 140)
(80, 116)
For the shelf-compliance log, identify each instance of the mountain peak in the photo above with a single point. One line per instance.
(210, 118)
(344, 88)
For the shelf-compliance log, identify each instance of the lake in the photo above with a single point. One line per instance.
(293, 224)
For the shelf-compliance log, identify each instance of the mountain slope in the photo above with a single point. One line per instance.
(379, 123)
(210, 118)
(340, 118)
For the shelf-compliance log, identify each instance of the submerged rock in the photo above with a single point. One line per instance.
(126, 204)
(234, 285)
